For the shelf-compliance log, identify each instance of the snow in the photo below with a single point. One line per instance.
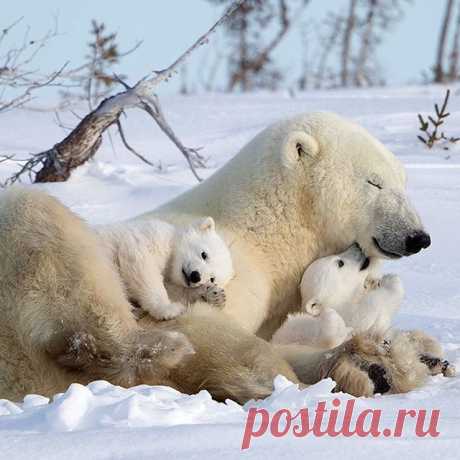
(101, 421)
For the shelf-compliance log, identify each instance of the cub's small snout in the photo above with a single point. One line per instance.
(192, 278)
(195, 277)
(417, 241)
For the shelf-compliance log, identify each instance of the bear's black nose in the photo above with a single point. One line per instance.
(195, 277)
(417, 241)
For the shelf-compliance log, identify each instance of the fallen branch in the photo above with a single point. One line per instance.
(57, 163)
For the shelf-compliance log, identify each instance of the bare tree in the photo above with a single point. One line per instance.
(455, 52)
(366, 44)
(350, 22)
(439, 73)
(96, 76)
(348, 43)
(324, 75)
(250, 64)
(19, 79)
(57, 163)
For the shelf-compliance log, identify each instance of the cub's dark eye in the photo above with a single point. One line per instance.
(375, 184)
(212, 280)
(204, 256)
(340, 263)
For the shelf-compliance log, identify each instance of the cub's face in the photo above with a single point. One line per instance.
(334, 280)
(201, 257)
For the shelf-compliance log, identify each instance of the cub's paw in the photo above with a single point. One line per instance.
(333, 330)
(215, 295)
(167, 311)
(372, 283)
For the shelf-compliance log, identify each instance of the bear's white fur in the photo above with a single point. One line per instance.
(303, 188)
(152, 252)
(341, 295)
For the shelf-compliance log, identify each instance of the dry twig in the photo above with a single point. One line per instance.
(431, 127)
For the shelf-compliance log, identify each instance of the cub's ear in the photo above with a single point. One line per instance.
(313, 307)
(206, 224)
(298, 145)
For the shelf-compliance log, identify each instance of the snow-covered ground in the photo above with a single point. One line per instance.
(105, 422)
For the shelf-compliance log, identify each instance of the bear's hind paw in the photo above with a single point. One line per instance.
(73, 350)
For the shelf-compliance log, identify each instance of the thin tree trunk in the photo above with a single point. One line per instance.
(346, 47)
(326, 51)
(256, 64)
(439, 66)
(360, 70)
(240, 74)
(454, 55)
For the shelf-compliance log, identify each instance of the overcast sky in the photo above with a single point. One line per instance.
(167, 27)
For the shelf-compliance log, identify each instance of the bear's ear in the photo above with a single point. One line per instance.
(206, 224)
(313, 307)
(298, 145)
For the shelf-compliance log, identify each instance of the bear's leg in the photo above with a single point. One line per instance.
(381, 303)
(65, 301)
(325, 331)
(144, 281)
(362, 366)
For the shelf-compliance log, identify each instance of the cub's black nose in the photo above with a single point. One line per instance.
(195, 277)
(417, 241)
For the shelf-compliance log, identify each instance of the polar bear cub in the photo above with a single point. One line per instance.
(150, 253)
(340, 296)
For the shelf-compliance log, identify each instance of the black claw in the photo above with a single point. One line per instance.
(432, 362)
(378, 376)
(444, 365)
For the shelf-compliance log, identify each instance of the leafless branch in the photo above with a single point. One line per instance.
(194, 159)
(18, 80)
(128, 146)
(57, 163)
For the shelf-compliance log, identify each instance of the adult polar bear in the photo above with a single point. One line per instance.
(302, 189)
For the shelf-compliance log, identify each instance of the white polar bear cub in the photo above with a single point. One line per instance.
(340, 296)
(150, 253)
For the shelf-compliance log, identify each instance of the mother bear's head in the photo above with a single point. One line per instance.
(360, 183)
(314, 183)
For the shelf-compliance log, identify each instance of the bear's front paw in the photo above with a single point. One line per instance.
(167, 311)
(438, 366)
(215, 295)
(372, 283)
